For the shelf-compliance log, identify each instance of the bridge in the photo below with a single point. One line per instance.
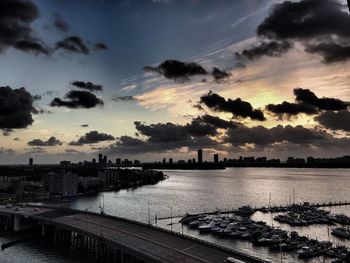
(115, 238)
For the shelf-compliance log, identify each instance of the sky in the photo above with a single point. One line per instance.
(162, 78)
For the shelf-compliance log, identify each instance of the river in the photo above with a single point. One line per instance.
(197, 191)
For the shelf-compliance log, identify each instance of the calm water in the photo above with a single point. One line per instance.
(197, 191)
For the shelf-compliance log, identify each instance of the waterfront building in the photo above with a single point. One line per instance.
(64, 183)
(108, 176)
(216, 158)
(65, 163)
(200, 156)
(89, 183)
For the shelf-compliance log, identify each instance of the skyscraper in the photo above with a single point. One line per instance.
(200, 156)
(30, 161)
(100, 158)
(216, 158)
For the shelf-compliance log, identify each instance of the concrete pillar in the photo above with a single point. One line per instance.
(17, 223)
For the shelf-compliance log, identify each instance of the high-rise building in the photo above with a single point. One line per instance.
(216, 158)
(118, 161)
(170, 160)
(61, 183)
(105, 159)
(200, 156)
(100, 158)
(30, 161)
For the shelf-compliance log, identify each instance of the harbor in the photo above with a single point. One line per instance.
(238, 225)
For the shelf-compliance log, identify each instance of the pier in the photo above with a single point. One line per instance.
(273, 208)
(108, 237)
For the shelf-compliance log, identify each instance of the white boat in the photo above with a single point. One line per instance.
(208, 227)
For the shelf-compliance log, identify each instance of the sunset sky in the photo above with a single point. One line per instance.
(135, 79)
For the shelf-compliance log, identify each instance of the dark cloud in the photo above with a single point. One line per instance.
(6, 151)
(16, 17)
(16, 108)
(84, 125)
(92, 137)
(291, 109)
(126, 98)
(37, 97)
(36, 150)
(240, 137)
(87, 85)
(335, 120)
(237, 107)
(130, 145)
(73, 44)
(60, 23)
(200, 128)
(321, 26)
(100, 46)
(260, 135)
(217, 122)
(162, 132)
(177, 70)
(72, 151)
(219, 74)
(286, 139)
(7, 132)
(307, 96)
(168, 136)
(33, 46)
(17, 139)
(306, 102)
(77, 99)
(306, 19)
(52, 141)
(331, 52)
(269, 48)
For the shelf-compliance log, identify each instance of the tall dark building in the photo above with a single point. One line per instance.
(216, 158)
(118, 161)
(170, 160)
(30, 161)
(200, 156)
(105, 159)
(100, 158)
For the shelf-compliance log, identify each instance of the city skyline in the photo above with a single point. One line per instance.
(159, 79)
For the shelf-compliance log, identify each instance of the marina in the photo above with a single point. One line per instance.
(238, 225)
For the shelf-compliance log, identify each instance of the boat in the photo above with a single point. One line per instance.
(244, 211)
(207, 227)
(188, 219)
(341, 232)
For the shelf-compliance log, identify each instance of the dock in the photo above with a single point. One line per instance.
(273, 208)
